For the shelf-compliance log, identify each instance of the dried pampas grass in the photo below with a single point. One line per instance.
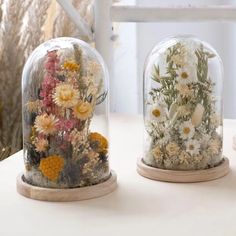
(63, 26)
(24, 24)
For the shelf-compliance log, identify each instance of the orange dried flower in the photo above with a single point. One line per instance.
(51, 167)
(101, 140)
(71, 66)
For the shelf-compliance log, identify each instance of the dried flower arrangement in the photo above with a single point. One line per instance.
(183, 120)
(23, 26)
(60, 150)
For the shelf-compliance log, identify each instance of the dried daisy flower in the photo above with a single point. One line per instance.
(186, 130)
(83, 110)
(186, 75)
(158, 113)
(172, 149)
(40, 144)
(46, 124)
(66, 95)
(192, 147)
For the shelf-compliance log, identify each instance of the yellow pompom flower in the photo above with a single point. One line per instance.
(101, 140)
(83, 110)
(51, 167)
(71, 66)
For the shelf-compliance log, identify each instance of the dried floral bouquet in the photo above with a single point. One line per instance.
(183, 121)
(60, 149)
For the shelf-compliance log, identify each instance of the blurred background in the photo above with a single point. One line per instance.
(24, 24)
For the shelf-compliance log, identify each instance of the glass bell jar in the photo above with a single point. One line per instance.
(183, 105)
(65, 120)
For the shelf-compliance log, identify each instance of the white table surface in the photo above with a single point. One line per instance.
(138, 207)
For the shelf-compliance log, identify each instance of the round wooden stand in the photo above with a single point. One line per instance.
(66, 195)
(178, 176)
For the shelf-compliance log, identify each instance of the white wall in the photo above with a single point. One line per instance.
(125, 68)
(137, 40)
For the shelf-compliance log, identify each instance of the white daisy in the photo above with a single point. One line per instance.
(192, 147)
(158, 113)
(186, 130)
(186, 75)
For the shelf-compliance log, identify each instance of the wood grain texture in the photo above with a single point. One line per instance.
(177, 176)
(66, 195)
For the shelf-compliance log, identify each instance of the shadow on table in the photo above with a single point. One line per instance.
(139, 196)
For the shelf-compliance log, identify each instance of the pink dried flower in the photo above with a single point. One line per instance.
(52, 63)
(48, 85)
(66, 125)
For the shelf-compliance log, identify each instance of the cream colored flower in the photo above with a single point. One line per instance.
(186, 130)
(65, 95)
(184, 157)
(186, 75)
(172, 149)
(198, 115)
(192, 147)
(157, 153)
(83, 110)
(41, 144)
(183, 111)
(215, 120)
(46, 124)
(158, 113)
(184, 90)
(214, 146)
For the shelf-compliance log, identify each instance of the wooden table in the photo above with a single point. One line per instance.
(138, 207)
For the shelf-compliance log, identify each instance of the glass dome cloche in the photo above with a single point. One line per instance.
(183, 81)
(65, 116)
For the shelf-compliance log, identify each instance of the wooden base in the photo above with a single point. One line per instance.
(66, 195)
(178, 176)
